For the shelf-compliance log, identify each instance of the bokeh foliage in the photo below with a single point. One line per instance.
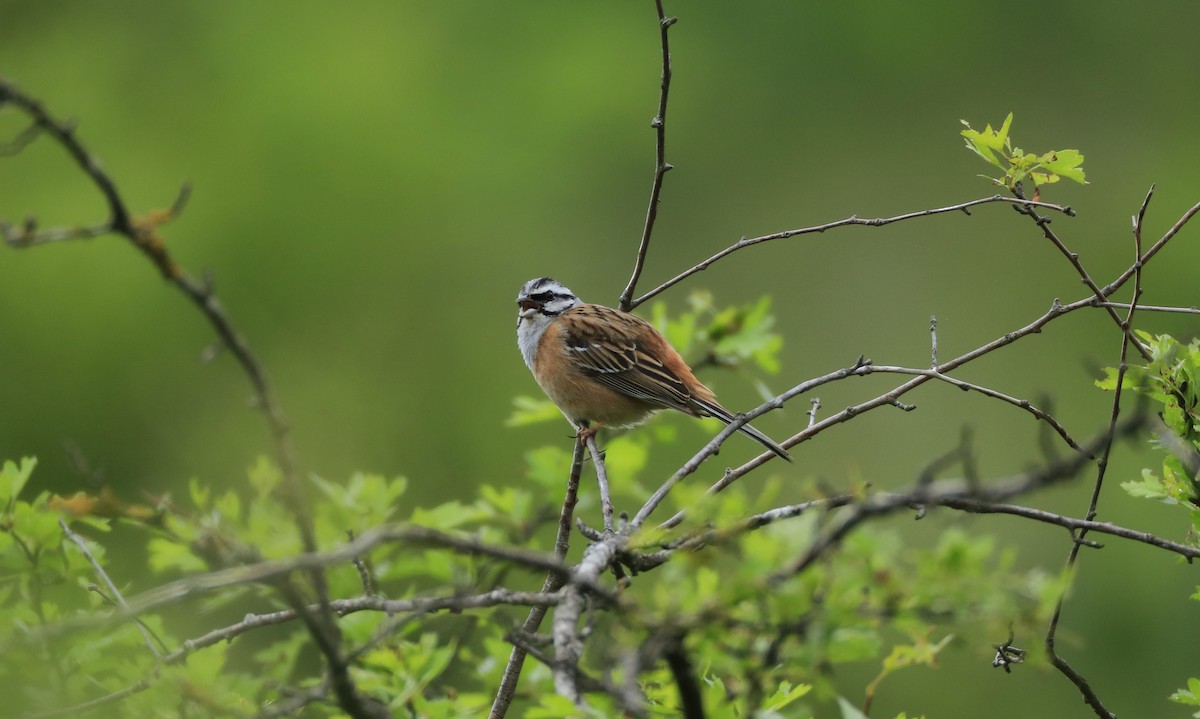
(374, 183)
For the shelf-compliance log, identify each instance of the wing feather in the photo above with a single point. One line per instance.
(622, 352)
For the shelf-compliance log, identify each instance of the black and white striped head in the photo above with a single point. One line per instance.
(538, 303)
(546, 297)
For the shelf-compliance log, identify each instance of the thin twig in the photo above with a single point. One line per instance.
(659, 123)
(959, 495)
(364, 573)
(715, 443)
(568, 646)
(342, 607)
(22, 139)
(82, 708)
(291, 705)
(852, 220)
(606, 504)
(986, 391)
(1043, 224)
(1151, 308)
(1059, 662)
(144, 233)
(933, 340)
(1056, 310)
(963, 494)
(120, 600)
(270, 571)
(554, 581)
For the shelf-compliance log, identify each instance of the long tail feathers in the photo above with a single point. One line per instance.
(715, 410)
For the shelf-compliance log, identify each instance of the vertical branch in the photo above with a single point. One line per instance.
(117, 598)
(1061, 664)
(1043, 223)
(933, 340)
(568, 644)
(507, 690)
(691, 698)
(143, 232)
(659, 123)
(606, 505)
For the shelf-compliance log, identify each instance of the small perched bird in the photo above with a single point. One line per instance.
(607, 367)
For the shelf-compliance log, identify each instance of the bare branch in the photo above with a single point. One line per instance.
(269, 572)
(986, 391)
(507, 690)
(1150, 308)
(691, 699)
(120, 600)
(84, 707)
(715, 443)
(568, 647)
(364, 573)
(659, 123)
(28, 234)
(1060, 663)
(143, 232)
(933, 341)
(342, 607)
(294, 703)
(852, 220)
(1043, 223)
(606, 505)
(22, 139)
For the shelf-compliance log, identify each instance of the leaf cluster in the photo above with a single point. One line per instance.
(762, 642)
(996, 148)
(1170, 381)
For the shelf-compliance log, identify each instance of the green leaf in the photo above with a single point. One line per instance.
(1109, 383)
(229, 507)
(13, 478)
(200, 493)
(626, 456)
(996, 148)
(1148, 487)
(1189, 696)
(1065, 163)
(549, 466)
(852, 644)
(785, 694)
(530, 410)
(555, 706)
(264, 477)
(450, 515)
(166, 555)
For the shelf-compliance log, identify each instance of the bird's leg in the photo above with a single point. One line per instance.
(586, 431)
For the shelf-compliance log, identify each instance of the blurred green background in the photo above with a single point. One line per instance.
(373, 181)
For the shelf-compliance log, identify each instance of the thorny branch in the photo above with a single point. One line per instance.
(572, 589)
(1060, 663)
(554, 581)
(861, 367)
(1043, 224)
(659, 123)
(143, 232)
(745, 242)
(270, 571)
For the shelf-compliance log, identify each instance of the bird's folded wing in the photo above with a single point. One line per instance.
(603, 344)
